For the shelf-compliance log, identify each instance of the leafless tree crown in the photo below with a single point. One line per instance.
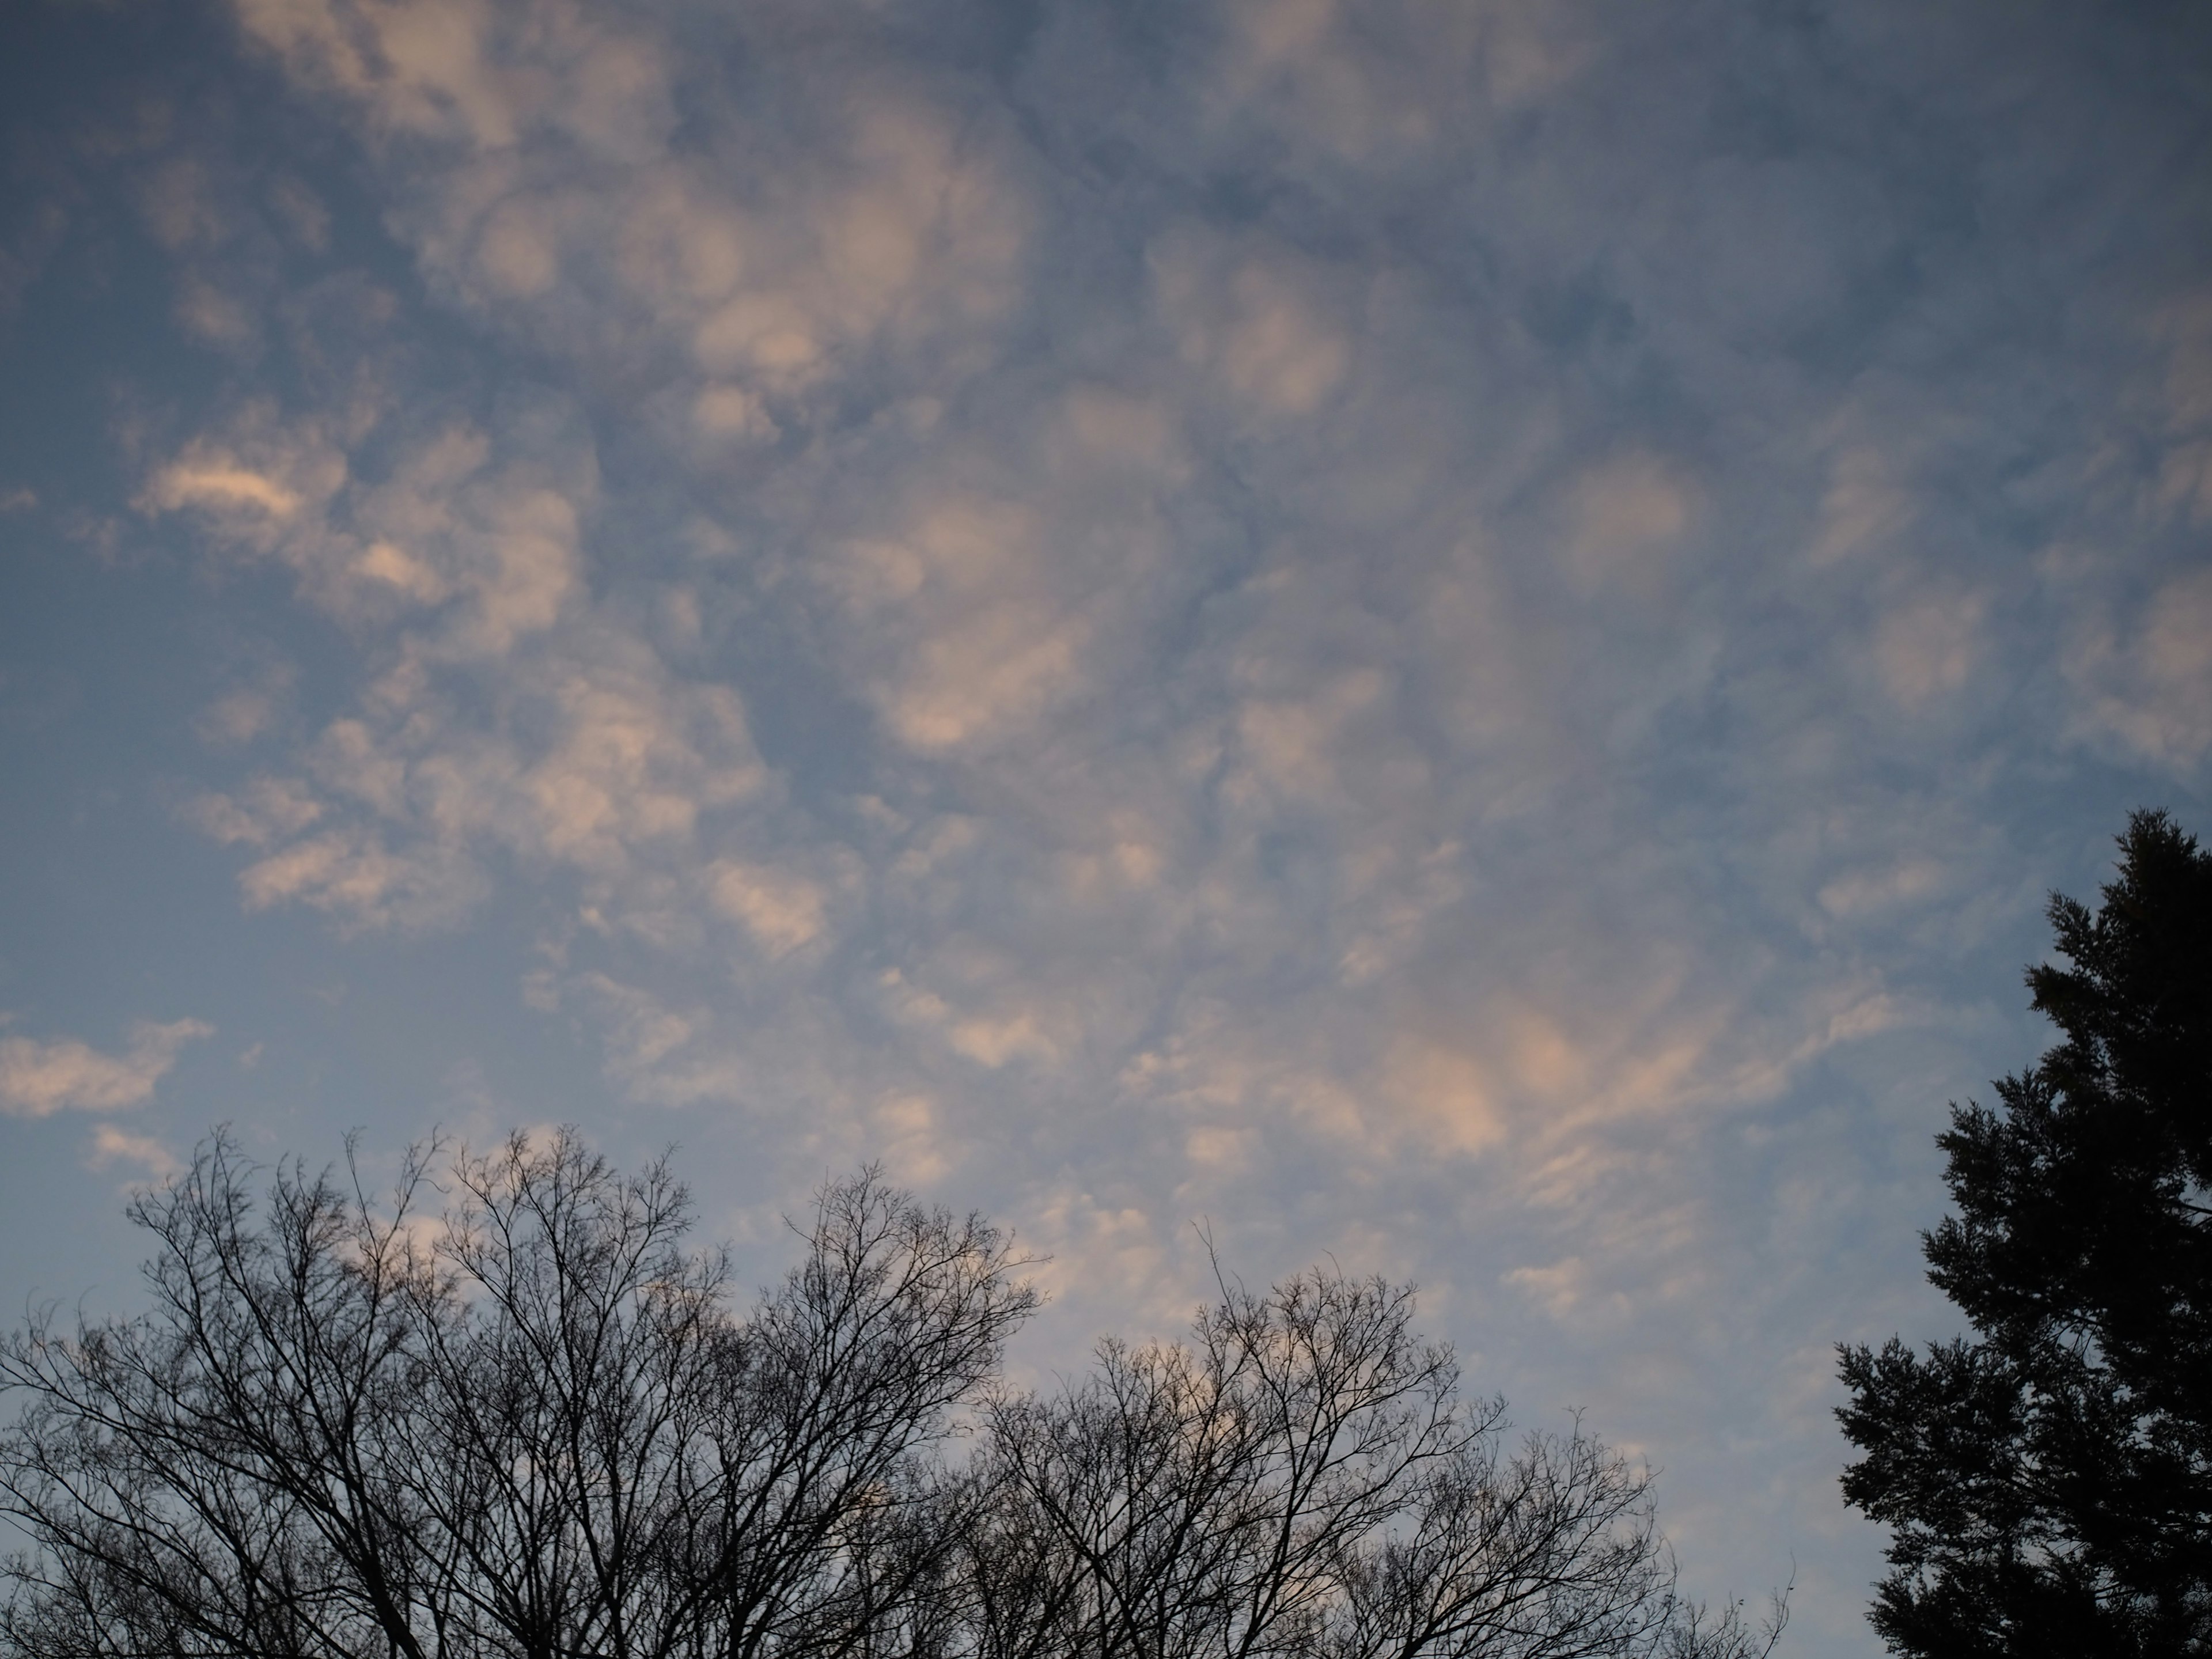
(531, 1426)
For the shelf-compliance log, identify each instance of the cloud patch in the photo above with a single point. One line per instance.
(41, 1077)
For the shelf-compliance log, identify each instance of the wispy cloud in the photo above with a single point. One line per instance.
(40, 1076)
(111, 1146)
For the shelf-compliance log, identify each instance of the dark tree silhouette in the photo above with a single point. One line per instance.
(2049, 1486)
(533, 1426)
(1305, 1479)
(528, 1427)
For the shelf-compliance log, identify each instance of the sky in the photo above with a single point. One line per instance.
(1462, 637)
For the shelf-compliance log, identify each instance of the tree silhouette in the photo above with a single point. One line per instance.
(2050, 1485)
(532, 1425)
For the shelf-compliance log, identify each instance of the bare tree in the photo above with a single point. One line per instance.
(821, 1531)
(530, 1426)
(216, 1476)
(1303, 1480)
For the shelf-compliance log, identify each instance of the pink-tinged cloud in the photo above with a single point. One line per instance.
(39, 1079)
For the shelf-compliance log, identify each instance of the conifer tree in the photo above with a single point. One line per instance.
(2049, 1483)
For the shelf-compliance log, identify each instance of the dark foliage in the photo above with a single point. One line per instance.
(2050, 1484)
(532, 1427)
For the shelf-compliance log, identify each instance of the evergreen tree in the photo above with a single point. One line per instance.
(2049, 1486)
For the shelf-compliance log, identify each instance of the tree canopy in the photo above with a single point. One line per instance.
(533, 1425)
(2049, 1485)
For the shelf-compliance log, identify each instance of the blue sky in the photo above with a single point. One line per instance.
(1462, 636)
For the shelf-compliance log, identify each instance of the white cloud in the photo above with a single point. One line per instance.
(1911, 882)
(267, 811)
(247, 711)
(622, 763)
(40, 1078)
(245, 500)
(434, 70)
(1258, 318)
(110, 1145)
(590, 754)
(487, 541)
(783, 911)
(1927, 648)
(1624, 515)
(353, 875)
(984, 644)
(2152, 686)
